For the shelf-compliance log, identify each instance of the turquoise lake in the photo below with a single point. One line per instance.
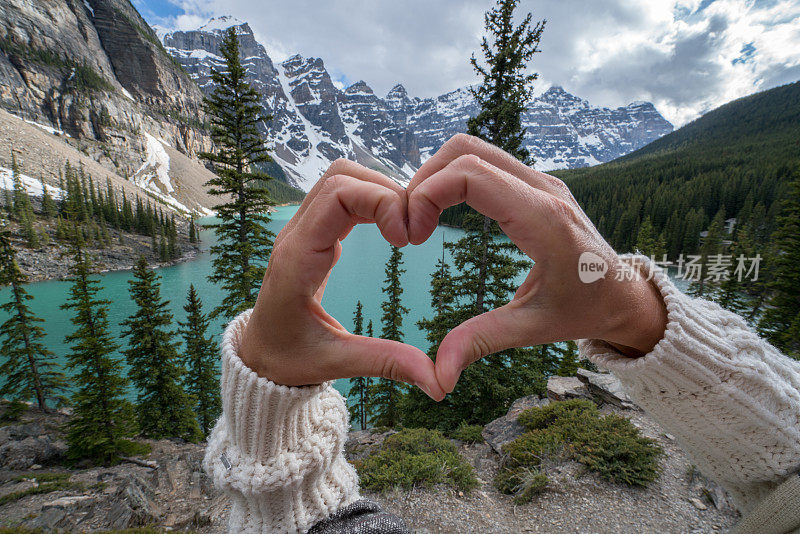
(359, 274)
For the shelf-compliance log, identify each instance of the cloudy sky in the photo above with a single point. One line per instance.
(685, 56)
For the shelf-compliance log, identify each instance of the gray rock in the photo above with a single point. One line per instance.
(606, 387)
(560, 388)
(23, 446)
(504, 429)
(134, 505)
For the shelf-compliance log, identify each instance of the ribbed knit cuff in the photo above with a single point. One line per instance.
(278, 450)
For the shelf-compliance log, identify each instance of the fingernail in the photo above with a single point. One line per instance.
(427, 391)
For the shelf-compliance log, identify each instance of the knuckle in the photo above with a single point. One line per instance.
(467, 161)
(462, 142)
(480, 347)
(562, 209)
(338, 166)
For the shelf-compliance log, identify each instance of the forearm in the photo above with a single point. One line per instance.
(277, 450)
(730, 398)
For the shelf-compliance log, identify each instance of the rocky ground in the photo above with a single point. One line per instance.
(168, 489)
(47, 262)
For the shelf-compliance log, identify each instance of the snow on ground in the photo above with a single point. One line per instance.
(32, 185)
(155, 166)
(46, 128)
(89, 7)
(153, 176)
(127, 94)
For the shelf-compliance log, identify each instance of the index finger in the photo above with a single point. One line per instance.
(339, 167)
(463, 144)
(527, 215)
(344, 201)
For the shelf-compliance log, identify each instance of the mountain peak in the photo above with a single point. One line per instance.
(359, 87)
(398, 91)
(221, 23)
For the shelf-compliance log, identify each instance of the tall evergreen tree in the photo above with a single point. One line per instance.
(781, 320)
(23, 209)
(163, 408)
(28, 368)
(649, 243)
(711, 246)
(243, 241)
(370, 331)
(386, 393)
(416, 408)
(49, 208)
(569, 364)
(360, 386)
(101, 417)
(200, 356)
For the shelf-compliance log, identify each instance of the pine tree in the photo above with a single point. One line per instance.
(370, 331)
(101, 415)
(163, 408)
(243, 241)
(649, 243)
(569, 364)
(200, 356)
(359, 386)
(711, 246)
(28, 367)
(781, 320)
(23, 210)
(192, 231)
(49, 208)
(507, 83)
(385, 394)
(416, 408)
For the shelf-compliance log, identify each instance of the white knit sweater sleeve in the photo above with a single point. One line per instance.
(277, 451)
(731, 399)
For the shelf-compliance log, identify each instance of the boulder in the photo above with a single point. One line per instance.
(23, 446)
(504, 429)
(606, 388)
(560, 388)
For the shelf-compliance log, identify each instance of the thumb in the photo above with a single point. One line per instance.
(496, 330)
(370, 356)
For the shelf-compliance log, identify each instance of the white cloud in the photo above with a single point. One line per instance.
(686, 56)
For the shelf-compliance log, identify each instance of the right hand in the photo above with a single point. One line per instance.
(539, 214)
(290, 338)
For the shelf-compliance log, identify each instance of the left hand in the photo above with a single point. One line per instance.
(290, 338)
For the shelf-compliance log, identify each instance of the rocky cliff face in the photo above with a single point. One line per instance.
(95, 73)
(314, 122)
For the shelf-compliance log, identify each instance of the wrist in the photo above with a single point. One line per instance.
(641, 318)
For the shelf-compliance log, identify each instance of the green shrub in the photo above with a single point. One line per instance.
(416, 457)
(522, 482)
(609, 445)
(468, 433)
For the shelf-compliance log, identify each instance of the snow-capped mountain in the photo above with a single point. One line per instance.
(313, 122)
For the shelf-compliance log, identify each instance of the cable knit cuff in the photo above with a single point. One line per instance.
(278, 450)
(696, 351)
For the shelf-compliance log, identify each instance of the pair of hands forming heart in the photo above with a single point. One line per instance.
(292, 340)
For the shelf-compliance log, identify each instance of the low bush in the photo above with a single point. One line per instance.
(468, 433)
(416, 457)
(609, 445)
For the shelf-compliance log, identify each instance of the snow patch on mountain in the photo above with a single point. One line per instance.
(32, 186)
(153, 176)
